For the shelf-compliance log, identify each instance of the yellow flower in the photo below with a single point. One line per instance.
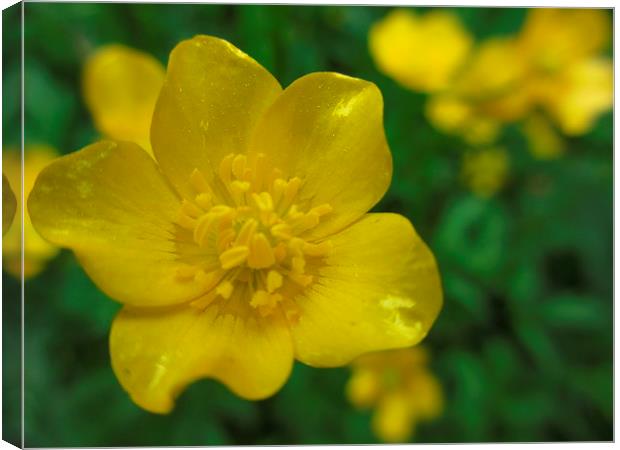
(399, 386)
(120, 87)
(484, 171)
(245, 243)
(489, 91)
(570, 79)
(552, 38)
(543, 141)
(453, 115)
(579, 95)
(9, 204)
(421, 52)
(37, 251)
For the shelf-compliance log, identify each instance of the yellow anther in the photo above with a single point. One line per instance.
(295, 246)
(298, 264)
(219, 210)
(234, 257)
(191, 210)
(225, 168)
(238, 166)
(277, 190)
(294, 213)
(321, 210)
(301, 279)
(238, 189)
(198, 181)
(291, 189)
(265, 302)
(320, 249)
(280, 252)
(204, 200)
(246, 232)
(185, 221)
(263, 201)
(224, 239)
(274, 281)
(261, 254)
(202, 228)
(207, 279)
(225, 289)
(260, 298)
(305, 222)
(256, 231)
(281, 231)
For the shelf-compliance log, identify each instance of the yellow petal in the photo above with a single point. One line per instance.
(553, 37)
(8, 205)
(420, 52)
(36, 251)
(494, 70)
(155, 355)
(363, 388)
(212, 98)
(580, 95)
(379, 289)
(120, 87)
(425, 395)
(394, 420)
(327, 129)
(109, 204)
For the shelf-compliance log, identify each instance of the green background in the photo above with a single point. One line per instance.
(523, 346)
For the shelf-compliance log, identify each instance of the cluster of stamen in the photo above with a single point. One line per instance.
(249, 218)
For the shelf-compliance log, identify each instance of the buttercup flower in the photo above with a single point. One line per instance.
(37, 251)
(9, 204)
(420, 52)
(120, 87)
(579, 95)
(401, 389)
(245, 243)
(570, 78)
(553, 38)
(489, 92)
(484, 171)
(554, 63)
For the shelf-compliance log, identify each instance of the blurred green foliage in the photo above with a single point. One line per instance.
(523, 346)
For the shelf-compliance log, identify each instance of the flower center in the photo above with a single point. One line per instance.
(249, 223)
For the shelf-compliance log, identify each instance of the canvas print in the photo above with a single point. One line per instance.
(298, 224)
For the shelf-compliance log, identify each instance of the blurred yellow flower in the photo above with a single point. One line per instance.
(570, 79)
(37, 251)
(401, 389)
(488, 92)
(455, 116)
(542, 140)
(485, 171)
(9, 204)
(422, 52)
(245, 243)
(552, 38)
(120, 87)
(554, 63)
(579, 95)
